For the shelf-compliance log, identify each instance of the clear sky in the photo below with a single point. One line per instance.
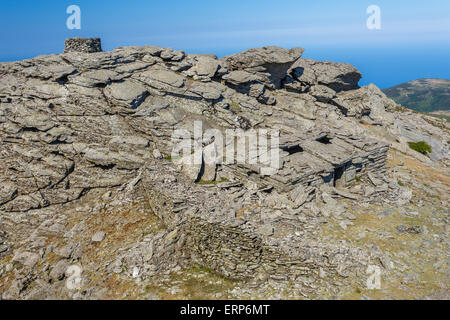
(414, 41)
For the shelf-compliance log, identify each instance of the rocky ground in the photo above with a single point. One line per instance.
(93, 207)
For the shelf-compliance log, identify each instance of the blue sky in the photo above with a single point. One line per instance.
(414, 41)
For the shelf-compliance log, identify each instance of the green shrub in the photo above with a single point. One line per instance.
(421, 147)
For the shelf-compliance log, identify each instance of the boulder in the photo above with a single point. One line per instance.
(83, 45)
(269, 63)
(210, 155)
(99, 236)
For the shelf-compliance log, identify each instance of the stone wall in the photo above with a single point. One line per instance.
(83, 45)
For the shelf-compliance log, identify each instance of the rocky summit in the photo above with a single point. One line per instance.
(93, 204)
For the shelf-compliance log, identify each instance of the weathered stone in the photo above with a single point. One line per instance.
(58, 271)
(76, 157)
(241, 77)
(27, 259)
(7, 192)
(210, 155)
(273, 61)
(164, 77)
(206, 66)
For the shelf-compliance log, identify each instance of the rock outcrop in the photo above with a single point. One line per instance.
(76, 125)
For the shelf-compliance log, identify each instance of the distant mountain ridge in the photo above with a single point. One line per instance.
(424, 95)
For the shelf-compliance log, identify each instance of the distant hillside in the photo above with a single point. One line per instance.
(424, 95)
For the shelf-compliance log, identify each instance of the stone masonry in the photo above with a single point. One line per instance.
(87, 121)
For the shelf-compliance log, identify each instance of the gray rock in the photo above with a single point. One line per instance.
(83, 45)
(72, 149)
(157, 154)
(410, 229)
(128, 91)
(210, 155)
(132, 141)
(241, 77)
(266, 230)
(371, 101)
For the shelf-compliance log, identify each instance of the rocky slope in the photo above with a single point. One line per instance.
(424, 95)
(89, 184)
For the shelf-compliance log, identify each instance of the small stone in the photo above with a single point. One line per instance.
(83, 45)
(3, 248)
(99, 236)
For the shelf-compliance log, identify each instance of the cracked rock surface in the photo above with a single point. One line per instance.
(87, 180)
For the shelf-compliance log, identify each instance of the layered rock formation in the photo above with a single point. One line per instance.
(76, 125)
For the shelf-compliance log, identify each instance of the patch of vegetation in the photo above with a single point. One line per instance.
(401, 184)
(421, 147)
